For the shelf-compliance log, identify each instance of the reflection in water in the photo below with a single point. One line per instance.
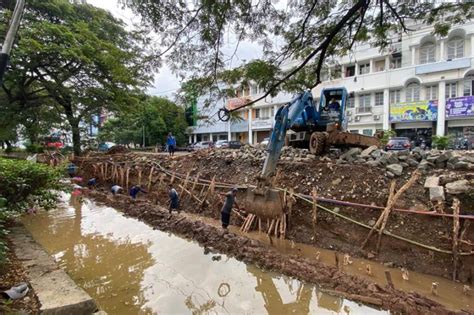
(129, 268)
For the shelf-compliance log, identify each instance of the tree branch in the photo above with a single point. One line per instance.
(397, 16)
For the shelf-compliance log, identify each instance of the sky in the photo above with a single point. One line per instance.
(165, 82)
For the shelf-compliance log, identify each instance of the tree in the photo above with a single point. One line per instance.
(309, 32)
(78, 59)
(153, 118)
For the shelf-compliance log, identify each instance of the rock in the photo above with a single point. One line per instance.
(403, 157)
(370, 255)
(432, 158)
(373, 163)
(367, 152)
(376, 154)
(389, 174)
(443, 157)
(424, 165)
(312, 156)
(372, 222)
(432, 181)
(336, 210)
(396, 169)
(458, 187)
(461, 165)
(349, 155)
(404, 164)
(412, 162)
(437, 193)
(403, 153)
(336, 182)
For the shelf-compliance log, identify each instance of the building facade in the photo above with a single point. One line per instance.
(421, 86)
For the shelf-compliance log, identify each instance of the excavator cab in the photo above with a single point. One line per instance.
(331, 108)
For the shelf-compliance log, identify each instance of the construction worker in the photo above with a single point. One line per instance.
(135, 190)
(227, 207)
(334, 105)
(174, 198)
(171, 143)
(116, 189)
(92, 183)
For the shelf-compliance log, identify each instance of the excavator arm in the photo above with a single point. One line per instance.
(284, 118)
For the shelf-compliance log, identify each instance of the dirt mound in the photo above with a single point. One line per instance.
(118, 149)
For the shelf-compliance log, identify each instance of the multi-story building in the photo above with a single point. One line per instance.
(423, 85)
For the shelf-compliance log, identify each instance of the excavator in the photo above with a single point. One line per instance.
(303, 123)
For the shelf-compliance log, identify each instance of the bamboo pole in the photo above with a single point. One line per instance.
(456, 204)
(388, 276)
(127, 178)
(150, 176)
(139, 176)
(314, 194)
(185, 182)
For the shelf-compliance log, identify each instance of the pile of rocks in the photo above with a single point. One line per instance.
(451, 184)
(394, 162)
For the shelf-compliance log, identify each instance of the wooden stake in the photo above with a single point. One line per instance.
(185, 182)
(271, 227)
(314, 195)
(150, 177)
(388, 276)
(172, 178)
(336, 258)
(190, 194)
(140, 176)
(127, 178)
(456, 204)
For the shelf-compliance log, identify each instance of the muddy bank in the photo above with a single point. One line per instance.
(251, 251)
(353, 183)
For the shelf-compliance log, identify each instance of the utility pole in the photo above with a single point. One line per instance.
(10, 37)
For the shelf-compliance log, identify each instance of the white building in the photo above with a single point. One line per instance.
(422, 86)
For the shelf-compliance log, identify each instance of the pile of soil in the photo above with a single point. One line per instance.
(354, 183)
(251, 251)
(118, 149)
(12, 273)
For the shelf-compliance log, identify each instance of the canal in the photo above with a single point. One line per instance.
(129, 268)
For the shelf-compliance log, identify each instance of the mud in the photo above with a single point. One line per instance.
(355, 183)
(255, 252)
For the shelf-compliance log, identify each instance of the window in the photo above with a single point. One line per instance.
(395, 96)
(364, 102)
(413, 92)
(451, 90)
(253, 89)
(364, 68)
(354, 131)
(257, 113)
(427, 53)
(350, 102)
(379, 99)
(455, 48)
(432, 92)
(469, 85)
(350, 71)
(367, 132)
(379, 65)
(396, 62)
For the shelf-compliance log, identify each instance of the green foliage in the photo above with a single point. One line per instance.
(440, 142)
(156, 115)
(23, 185)
(34, 148)
(73, 61)
(387, 134)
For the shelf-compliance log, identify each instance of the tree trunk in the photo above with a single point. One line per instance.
(76, 138)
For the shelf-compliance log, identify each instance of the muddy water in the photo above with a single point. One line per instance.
(129, 268)
(450, 293)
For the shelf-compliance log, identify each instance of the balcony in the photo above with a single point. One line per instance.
(239, 126)
(443, 66)
(364, 110)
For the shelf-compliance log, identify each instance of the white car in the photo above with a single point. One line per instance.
(203, 145)
(220, 144)
(265, 141)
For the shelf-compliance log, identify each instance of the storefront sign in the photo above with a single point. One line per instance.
(414, 111)
(460, 106)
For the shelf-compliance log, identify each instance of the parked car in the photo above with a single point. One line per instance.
(398, 144)
(203, 145)
(105, 146)
(234, 144)
(221, 144)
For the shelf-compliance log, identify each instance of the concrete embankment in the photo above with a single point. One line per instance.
(56, 291)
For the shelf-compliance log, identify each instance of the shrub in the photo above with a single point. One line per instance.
(387, 134)
(440, 142)
(24, 184)
(34, 148)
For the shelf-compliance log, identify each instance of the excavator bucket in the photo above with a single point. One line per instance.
(266, 203)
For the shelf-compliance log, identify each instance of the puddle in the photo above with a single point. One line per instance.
(129, 268)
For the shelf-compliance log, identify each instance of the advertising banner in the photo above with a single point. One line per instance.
(414, 111)
(460, 107)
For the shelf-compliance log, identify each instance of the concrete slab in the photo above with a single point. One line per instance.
(56, 291)
(432, 181)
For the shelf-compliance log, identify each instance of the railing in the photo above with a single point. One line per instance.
(366, 109)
